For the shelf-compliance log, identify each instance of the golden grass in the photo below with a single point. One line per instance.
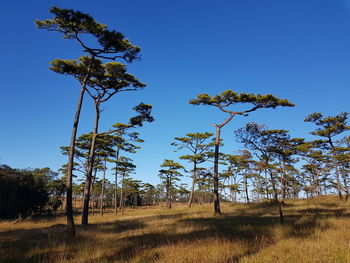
(316, 230)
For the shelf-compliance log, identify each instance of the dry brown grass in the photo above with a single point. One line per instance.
(316, 230)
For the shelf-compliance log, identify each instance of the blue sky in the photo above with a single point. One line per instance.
(294, 49)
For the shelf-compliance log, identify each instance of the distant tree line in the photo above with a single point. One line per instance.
(26, 192)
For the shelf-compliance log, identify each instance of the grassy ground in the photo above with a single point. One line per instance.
(316, 230)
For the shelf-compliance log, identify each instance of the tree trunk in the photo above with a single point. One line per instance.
(246, 188)
(283, 181)
(121, 203)
(93, 193)
(346, 187)
(267, 185)
(217, 210)
(274, 189)
(317, 184)
(334, 154)
(116, 183)
(193, 184)
(69, 205)
(85, 215)
(103, 187)
(168, 198)
(280, 210)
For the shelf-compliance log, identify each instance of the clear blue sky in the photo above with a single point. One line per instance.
(294, 49)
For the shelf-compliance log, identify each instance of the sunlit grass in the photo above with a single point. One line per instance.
(315, 230)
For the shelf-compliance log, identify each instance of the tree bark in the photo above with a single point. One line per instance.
(168, 194)
(121, 203)
(85, 215)
(103, 187)
(334, 154)
(69, 205)
(193, 184)
(274, 189)
(317, 184)
(283, 181)
(116, 181)
(246, 188)
(217, 210)
(93, 193)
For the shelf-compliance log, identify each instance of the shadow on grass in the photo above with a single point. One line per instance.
(253, 229)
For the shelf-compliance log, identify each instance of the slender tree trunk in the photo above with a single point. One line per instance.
(246, 188)
(93, 193)
(334, 154)
(103, 186)
(193, 183)
(235, 190)
(69, 205)
(283, 193)
(283, 181)
(168, 194)
(317, 184)
(346, 187)
(121, 203)
(274, 189)
(217, 210)
(116, 183)
(85, 215)
(267, 185)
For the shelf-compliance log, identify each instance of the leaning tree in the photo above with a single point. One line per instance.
(231, 98)
(111, 45)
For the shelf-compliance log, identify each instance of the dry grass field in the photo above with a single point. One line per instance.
(316, 230)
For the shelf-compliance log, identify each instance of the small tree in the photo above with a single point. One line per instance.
(195, 143)
(241, 164)
(125, 167)
(124, 141)
(169, 175)
(224, 100)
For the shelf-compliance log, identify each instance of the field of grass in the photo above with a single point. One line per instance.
(316, 230)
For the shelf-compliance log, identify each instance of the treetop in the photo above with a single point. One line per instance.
(230, 97)
(73, 23)
(328, 126)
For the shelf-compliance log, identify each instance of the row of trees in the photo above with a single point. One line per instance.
(272, 165)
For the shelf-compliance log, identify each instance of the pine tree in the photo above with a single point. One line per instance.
(169, 174)
(230, 98)
(329, 127)
(195, 143)
(111, 45)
